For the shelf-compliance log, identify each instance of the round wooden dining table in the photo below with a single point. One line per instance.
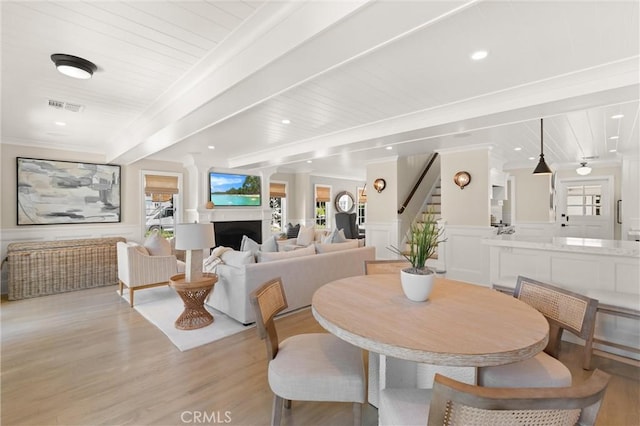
(461, 324)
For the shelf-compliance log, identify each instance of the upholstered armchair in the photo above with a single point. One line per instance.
(137, 269)
(347, 222)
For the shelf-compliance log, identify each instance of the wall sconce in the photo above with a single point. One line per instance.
(379, 184)
(462, 179)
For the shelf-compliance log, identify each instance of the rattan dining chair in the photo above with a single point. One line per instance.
(306, 367)
(565, 310)
(455, 403)
(385, 266)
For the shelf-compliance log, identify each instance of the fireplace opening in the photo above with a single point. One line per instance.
(229, 234)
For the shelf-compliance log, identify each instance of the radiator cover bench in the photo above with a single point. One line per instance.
(49, 267)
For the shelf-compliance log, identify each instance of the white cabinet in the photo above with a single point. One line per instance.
(498, 193)
(497, 177)
(498, 182)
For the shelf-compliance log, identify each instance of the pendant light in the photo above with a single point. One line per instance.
(583, 170)
(542, 168)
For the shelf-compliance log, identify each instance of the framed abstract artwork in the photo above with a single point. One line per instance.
(61, 192)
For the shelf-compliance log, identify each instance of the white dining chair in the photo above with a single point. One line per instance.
(455, 403)
(565, 310)
(307, 367)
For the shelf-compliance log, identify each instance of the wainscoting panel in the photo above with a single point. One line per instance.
(382, 235)
(467, 258)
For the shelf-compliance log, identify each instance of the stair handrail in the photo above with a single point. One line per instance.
(418, 182)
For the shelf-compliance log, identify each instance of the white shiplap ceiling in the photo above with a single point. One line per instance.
(351, 76)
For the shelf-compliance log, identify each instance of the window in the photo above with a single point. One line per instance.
(362, 207)
(161, 196)
(277, 203)
(323, 202)
(584, 200)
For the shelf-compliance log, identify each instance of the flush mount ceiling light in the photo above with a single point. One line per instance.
(74, 66)
(583, 170)
(542, 168)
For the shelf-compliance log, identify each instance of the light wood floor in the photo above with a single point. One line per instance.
(86, 358)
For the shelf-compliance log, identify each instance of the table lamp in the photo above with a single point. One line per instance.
(194, 238)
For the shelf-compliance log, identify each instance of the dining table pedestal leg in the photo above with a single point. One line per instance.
(388, 372)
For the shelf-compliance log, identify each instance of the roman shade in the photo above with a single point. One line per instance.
(277, 190)
(323, 194)
(362, 196)
(160, 188)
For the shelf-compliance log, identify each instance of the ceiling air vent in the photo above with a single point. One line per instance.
(66, 106)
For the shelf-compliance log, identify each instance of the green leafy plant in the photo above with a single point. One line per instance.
(423, 242)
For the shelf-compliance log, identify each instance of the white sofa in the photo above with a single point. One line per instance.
(301, 277)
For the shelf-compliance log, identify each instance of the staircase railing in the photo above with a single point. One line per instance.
(418, 182)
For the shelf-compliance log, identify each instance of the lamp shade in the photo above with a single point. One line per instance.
(194, 236)
(542, 168)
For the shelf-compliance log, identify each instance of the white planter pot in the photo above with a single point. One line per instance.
(416, 287)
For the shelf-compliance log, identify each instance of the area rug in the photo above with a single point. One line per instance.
(161, 306)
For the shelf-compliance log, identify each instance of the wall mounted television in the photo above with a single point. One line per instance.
(228, 189)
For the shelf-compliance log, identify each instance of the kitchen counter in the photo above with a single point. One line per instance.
(567, 244)
(606, 268)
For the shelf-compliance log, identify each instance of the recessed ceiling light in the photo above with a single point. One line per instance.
(479, 54)
(615, 117)
(613, 138)
(60, 123)
(613, 150)
(211, 147)
(532, 158)
(309, 161)
(517, 148)
(285, 121)
(388, 148)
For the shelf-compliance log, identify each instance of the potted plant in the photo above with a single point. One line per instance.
(424, 238)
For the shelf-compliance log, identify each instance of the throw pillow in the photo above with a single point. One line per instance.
(248, 244)
(138, 247)
(157, 245)
(292, 231)
(237, 258)
(270, 244)
(336, 236)
(268, 257)
(306, 235)
(327, 248)
(321, 234)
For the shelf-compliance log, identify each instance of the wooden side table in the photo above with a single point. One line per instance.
(193, 294)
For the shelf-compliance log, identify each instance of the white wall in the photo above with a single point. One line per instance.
(130, 227)
(532, 197)
(382, 208)
(470, 206)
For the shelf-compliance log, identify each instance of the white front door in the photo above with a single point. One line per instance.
(585, 208)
